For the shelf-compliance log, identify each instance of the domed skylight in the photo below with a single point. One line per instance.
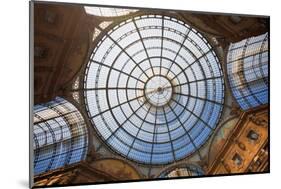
(154, 89)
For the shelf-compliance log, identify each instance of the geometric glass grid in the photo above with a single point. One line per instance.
(154, 89)
(247, 70)
(108, 12)
(183, 171)
(59, 135)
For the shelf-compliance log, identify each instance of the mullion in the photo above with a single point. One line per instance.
(127, 119)
(58, 116)
(195, 81)
(170, 50)
(191, 140)
(141, 39)
(160, 38)
(255, 66)
(260, 64)
(59, 142)
(195, 61)
(206, 124)
(252, 68)
(100, 12)
(54, 146)
(70, 150)
(111, 67)
(72, 131)
(203, 99)
(154, 134)
(172, 145)
(116, 106)
(139, 115)
(139, 130)
(115, 10)
(50, 105)
(248, 88)
(37, 150)
(244, 96)
(123, 50)
(181, 45)
(127, 83)
(243, 57)
(245, 85)
(161, 53)
(235, 48)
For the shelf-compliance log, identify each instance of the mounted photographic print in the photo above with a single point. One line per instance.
(122, 94)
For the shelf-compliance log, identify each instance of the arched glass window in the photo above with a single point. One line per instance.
(59, 135)
(108, 12)
(183, 171)
(154, 89)
(247, 69)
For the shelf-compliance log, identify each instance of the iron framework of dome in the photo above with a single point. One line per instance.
(154, 89)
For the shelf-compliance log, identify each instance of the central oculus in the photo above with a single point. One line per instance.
(158, 91)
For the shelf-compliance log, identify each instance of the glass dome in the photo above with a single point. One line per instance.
(154, 89)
